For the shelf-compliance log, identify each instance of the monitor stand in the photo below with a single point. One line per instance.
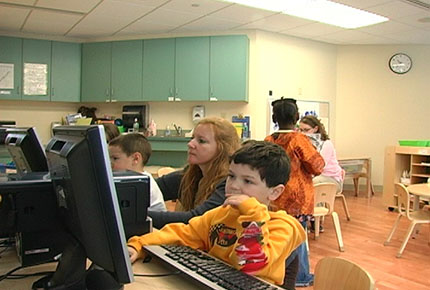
(70, 273)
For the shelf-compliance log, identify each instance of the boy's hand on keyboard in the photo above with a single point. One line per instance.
(133, 254)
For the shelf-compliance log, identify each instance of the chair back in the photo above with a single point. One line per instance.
(403, 199)
(325, 193)
(165, 170)
(334, 273)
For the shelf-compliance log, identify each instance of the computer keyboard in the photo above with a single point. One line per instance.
(206, 270)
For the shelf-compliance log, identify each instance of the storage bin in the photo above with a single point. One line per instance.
(351, 166)
(417, 143)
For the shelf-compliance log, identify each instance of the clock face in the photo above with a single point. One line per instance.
(400, 63)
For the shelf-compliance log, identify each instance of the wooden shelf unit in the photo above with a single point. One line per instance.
(416, 160)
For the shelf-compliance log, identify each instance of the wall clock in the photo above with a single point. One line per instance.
(400, 63)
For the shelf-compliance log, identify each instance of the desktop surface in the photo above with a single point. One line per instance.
(9, 260)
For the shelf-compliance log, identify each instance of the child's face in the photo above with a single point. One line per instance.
(119, 160)
(244, 180)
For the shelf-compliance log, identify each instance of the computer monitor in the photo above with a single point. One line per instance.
(26, 150)
(80, 170)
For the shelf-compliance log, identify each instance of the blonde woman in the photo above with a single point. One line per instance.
(201, 185)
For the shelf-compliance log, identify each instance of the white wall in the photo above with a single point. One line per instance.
(375, 107)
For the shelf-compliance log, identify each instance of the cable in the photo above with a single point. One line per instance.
(10, 275)
(156, 274)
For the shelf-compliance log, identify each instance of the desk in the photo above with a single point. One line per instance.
(419, 190)
(9, 261)
(356, 167)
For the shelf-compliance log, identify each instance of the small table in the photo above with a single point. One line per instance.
(419, 190)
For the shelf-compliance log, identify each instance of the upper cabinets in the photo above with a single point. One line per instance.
(112, 71)
(229, 68)
(211, 68)
(43, 70)
(11, 70)
(66, 72)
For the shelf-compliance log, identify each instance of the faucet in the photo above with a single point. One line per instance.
(178, 129)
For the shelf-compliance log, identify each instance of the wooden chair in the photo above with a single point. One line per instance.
(415, 217)
(164, 170)
(334, 273)
(341, 195)
(325, 194)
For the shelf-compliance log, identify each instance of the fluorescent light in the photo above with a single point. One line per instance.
(318, 10)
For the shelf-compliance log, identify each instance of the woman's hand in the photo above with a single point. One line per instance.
(234, 200)
(133, 254)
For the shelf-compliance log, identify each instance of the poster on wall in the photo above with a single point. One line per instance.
(6, 75)
(318, 108)
(35, 79)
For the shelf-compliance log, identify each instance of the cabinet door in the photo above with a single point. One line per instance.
(229, 68)
(36, 55)
(66, 72)
(96, 72)
(11, 60)
(192, 68)
(158, 69)
(127, 70)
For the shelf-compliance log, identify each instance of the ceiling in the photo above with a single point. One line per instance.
(119, 19)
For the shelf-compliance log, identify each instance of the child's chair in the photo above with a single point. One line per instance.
(325, 194)
(334, 273)
(341, 195)
(404, 208)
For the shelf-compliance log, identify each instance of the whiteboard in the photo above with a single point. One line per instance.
(319, 108)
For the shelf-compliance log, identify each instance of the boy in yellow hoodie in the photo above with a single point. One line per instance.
(243, 232)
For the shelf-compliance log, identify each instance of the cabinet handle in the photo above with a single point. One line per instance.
(111, 92)
(107, 93)
(176, 92)
(170, 92)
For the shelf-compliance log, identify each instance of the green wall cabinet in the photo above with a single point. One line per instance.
(159, 69)
(10, 54)
(192, 69)
(112, 71)
(36, 55)
(66, 72)
(229, 68)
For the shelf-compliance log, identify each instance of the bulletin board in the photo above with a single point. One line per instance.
(321, 109)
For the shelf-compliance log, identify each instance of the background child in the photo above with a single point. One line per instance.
(242, 232)
(132, 152)
(298, 196)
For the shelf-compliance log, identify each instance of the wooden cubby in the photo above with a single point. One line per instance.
(416, 160)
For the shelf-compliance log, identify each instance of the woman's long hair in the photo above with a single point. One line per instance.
(313, 121)
(196, 188)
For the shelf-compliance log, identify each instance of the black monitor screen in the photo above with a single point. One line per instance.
(26, 150)
(80, 170)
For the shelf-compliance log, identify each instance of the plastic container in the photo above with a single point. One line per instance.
(417, 143)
